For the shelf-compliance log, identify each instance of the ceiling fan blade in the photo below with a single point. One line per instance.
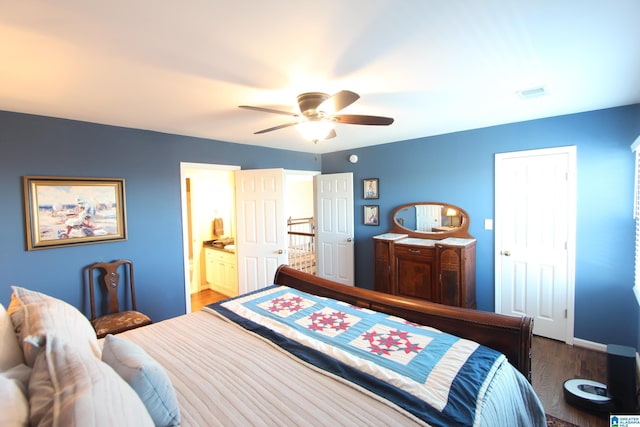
(338, 101)
(286, 125)
(269, 110)
(356, 119)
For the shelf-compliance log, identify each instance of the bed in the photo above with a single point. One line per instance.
(221, 366)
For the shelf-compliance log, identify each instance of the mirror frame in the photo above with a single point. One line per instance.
(462, 231)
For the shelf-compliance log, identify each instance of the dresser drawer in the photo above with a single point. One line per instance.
(422, 252)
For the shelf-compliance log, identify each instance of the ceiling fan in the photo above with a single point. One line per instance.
(318, 115)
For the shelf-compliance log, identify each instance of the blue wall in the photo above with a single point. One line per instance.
(458, 168)
(455, 168)
(150, 164)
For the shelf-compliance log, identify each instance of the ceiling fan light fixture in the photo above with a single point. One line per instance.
(315, 130)
(317, 119)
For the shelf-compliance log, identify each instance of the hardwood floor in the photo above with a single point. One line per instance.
(205, 297)
(553, 362)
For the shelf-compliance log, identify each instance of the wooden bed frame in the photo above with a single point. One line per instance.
(510, 335)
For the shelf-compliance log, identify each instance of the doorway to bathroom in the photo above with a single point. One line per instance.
(208, 205)
(208, 200)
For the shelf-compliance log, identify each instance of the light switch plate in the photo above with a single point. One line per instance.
(488, 224)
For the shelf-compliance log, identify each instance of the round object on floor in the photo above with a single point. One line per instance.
(587, 394)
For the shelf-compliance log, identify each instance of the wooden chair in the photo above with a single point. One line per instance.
(116, 320)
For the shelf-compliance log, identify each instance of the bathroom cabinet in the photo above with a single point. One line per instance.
(221, 271)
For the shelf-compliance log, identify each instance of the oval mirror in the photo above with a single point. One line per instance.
(431, 219)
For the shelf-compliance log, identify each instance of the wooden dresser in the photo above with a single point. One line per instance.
(433, 266)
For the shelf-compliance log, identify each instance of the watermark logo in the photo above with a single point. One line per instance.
(624, 420)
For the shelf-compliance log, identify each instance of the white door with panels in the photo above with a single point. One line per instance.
(428, 217)
(334, 239)
(261, 240)
(535, 238)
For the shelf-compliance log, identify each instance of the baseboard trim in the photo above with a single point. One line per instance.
(578, 342)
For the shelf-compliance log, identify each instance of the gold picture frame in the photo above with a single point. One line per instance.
(67, 211)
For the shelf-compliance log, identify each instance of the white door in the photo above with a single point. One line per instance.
(334, 214)
(535, 238)
(261, 239)
(428, 217)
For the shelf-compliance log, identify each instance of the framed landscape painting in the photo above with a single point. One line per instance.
(64, 211)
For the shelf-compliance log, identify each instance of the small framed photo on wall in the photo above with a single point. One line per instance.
(371, 214)
(370, 188)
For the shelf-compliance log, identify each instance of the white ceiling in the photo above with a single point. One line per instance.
(436, 66)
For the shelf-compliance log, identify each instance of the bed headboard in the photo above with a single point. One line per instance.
(510, 335)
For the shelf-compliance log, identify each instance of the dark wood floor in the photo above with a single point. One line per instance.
(205, 297)
(553, 362)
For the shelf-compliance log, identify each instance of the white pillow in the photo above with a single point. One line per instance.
(14, 406)
(10, 352)
(36, 316)
(71, 388)
(146, 376)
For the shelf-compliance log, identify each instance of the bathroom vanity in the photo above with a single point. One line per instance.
(221, 270)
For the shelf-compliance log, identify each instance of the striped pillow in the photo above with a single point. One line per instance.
(36, 316)
(71, 388)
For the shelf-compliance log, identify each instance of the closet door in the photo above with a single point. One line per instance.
(535, 238)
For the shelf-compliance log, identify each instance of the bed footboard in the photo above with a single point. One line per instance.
(510, 335)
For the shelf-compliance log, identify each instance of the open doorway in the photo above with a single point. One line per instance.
(208, 214)
(301, 223)
(208, 194)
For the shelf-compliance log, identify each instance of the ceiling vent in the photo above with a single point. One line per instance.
(535, 92)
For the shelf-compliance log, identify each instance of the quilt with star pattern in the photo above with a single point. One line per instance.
(435, 376)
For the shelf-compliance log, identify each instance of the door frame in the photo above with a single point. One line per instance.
(185, 171)
(571, 229)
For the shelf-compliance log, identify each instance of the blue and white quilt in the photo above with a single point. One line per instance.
(437, 377)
